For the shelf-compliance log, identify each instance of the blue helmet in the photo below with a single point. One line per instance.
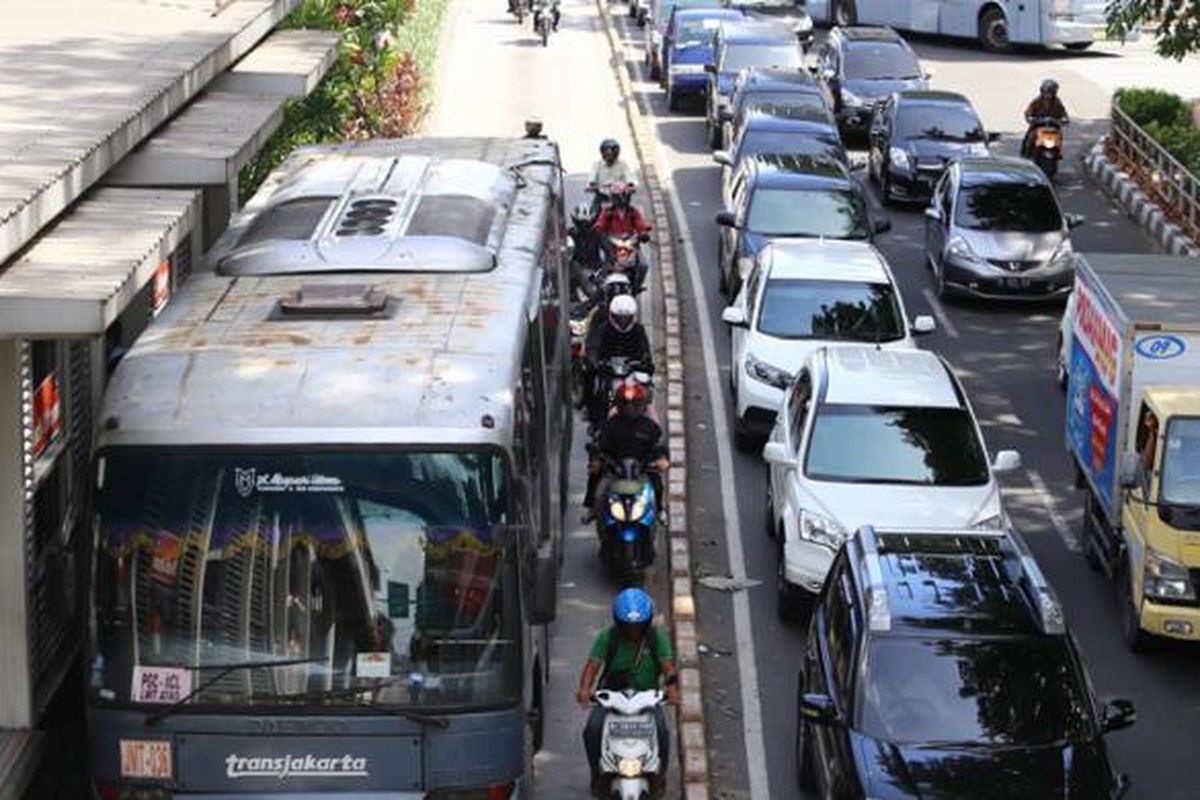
(632, 607)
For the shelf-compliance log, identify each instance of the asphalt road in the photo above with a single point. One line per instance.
(1003, 355)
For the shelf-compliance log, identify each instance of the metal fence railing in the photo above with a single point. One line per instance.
(1164, 179)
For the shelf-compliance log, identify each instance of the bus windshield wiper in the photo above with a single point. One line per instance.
(222, 671)
(353, 691)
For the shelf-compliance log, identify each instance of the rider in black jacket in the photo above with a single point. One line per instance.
(631, 433)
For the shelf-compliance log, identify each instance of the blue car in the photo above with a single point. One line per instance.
(689, 49)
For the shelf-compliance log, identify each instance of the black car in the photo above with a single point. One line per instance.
(743, 46)
(763, 86)
(859, 66)
(939, 665)
(915, 134)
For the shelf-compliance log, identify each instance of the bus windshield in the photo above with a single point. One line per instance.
(385, 571)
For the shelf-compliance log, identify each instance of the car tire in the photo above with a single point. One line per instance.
(722, 280)
(1136, 640)
(885, 189)
(844, 13)
(939, 281)
(1077, 47)
(733, 389)
(714, 135)
(806, 777)
(672, 98)
(743, 440)
(993, 31)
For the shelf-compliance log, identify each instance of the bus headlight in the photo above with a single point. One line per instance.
(617, 509)
(1166, 579)
(629, 767)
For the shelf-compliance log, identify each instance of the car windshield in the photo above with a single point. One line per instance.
(1181, 462)
(896, 444)
(696, 32)
(1022, 692)
(830, 213)
(663, 8)
(834, 310)
(757, 54)
(940, 121)
(867, 61)
(1005, 206)
(761, 142)
(383, 569)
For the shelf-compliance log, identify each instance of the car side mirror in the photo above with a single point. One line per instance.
(1131, 467)
(933, 213)
(994, 136)
(883, 225)
(923, 324)
(776, 453)
(1007, 461)
(1117, 714)
(1074, 220)
(710, 68)
(726, 219)
(725, 115)
(723, 158)
(735, 316)
(818, 709)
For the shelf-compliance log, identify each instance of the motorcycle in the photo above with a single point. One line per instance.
(629, 757)
(1047, 143)
(580, 323)
(607, 379)
(543, 20)
(627, 521)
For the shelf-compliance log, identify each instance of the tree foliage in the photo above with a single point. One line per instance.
(1178, 23)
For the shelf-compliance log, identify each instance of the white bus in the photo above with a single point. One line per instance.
(997, 24)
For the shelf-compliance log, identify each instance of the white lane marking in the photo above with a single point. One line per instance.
(939, 311)
(1056, 519)
(752, 724)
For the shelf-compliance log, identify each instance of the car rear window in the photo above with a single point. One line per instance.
(1008, 206)
(939, 121)
(880, 60)
(848, 311)
(739, 56)
(829, 213)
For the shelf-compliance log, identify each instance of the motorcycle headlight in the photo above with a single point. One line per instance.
(639, 508)
(629, 767)
(899, 159)
(958, 248)
(821, 530)
(768, 374)
(617, 509)
(1166, 579)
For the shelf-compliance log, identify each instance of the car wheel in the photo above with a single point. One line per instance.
(732, 376)
(787, 604)
(885, 188)
(939, 281)
(714, 134)
(1077, 47)
(806, 777)
(1136, 639)
(743, 440)
(993, 31)
(672, 98)
(844, 13)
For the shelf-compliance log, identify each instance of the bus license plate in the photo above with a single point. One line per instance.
(631, 729)
(142, 758)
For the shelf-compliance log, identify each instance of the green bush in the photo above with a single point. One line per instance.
(1153, 105)
(1181, 141)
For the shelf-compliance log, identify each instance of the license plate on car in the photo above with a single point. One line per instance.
(631, 729)
(146, 758)
(1015, 283)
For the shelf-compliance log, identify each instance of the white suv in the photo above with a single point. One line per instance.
(802, 294)
(868, 436)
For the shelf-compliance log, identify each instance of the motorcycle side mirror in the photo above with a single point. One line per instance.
(1074, 220)
(994, 136)
(818, 709)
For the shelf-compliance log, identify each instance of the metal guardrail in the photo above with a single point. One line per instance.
(1167, 181)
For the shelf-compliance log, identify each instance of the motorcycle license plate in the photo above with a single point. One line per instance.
(631, 729)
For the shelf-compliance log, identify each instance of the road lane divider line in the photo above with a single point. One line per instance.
(691, 732)
(939, 311)
(1051, 506)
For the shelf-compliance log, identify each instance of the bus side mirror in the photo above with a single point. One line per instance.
(544, 601)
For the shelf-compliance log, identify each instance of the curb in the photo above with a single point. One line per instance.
(693, 752)
(1140, 208)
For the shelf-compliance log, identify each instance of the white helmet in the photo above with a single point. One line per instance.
(622, 312)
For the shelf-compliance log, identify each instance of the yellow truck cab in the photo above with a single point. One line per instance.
(1133, 430)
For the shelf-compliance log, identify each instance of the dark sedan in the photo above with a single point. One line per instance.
(915, 135)
(860, 66)
(763, 86)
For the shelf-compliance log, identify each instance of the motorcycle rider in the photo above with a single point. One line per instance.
(631, 654)
(616, 334)
(555, 12)
(622, 220)
(631, 433)
(609, 169)
(587, 252)
(1045, 106)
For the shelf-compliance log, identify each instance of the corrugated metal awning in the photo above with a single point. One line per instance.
(86, 268)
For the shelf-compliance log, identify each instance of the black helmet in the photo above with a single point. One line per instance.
(610, 146)
(533, 128)
(581, 215)
(1049, 86)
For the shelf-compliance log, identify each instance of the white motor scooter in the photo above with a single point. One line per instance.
(629, 758)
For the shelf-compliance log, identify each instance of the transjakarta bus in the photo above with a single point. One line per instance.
(997, 24)
(329, 490)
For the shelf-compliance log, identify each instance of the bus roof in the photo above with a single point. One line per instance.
(352, 357)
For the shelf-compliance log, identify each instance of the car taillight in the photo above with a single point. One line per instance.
(500, 791)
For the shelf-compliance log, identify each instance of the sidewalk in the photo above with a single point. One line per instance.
(83, 81)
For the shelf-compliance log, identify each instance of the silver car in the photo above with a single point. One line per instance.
(994, 228)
